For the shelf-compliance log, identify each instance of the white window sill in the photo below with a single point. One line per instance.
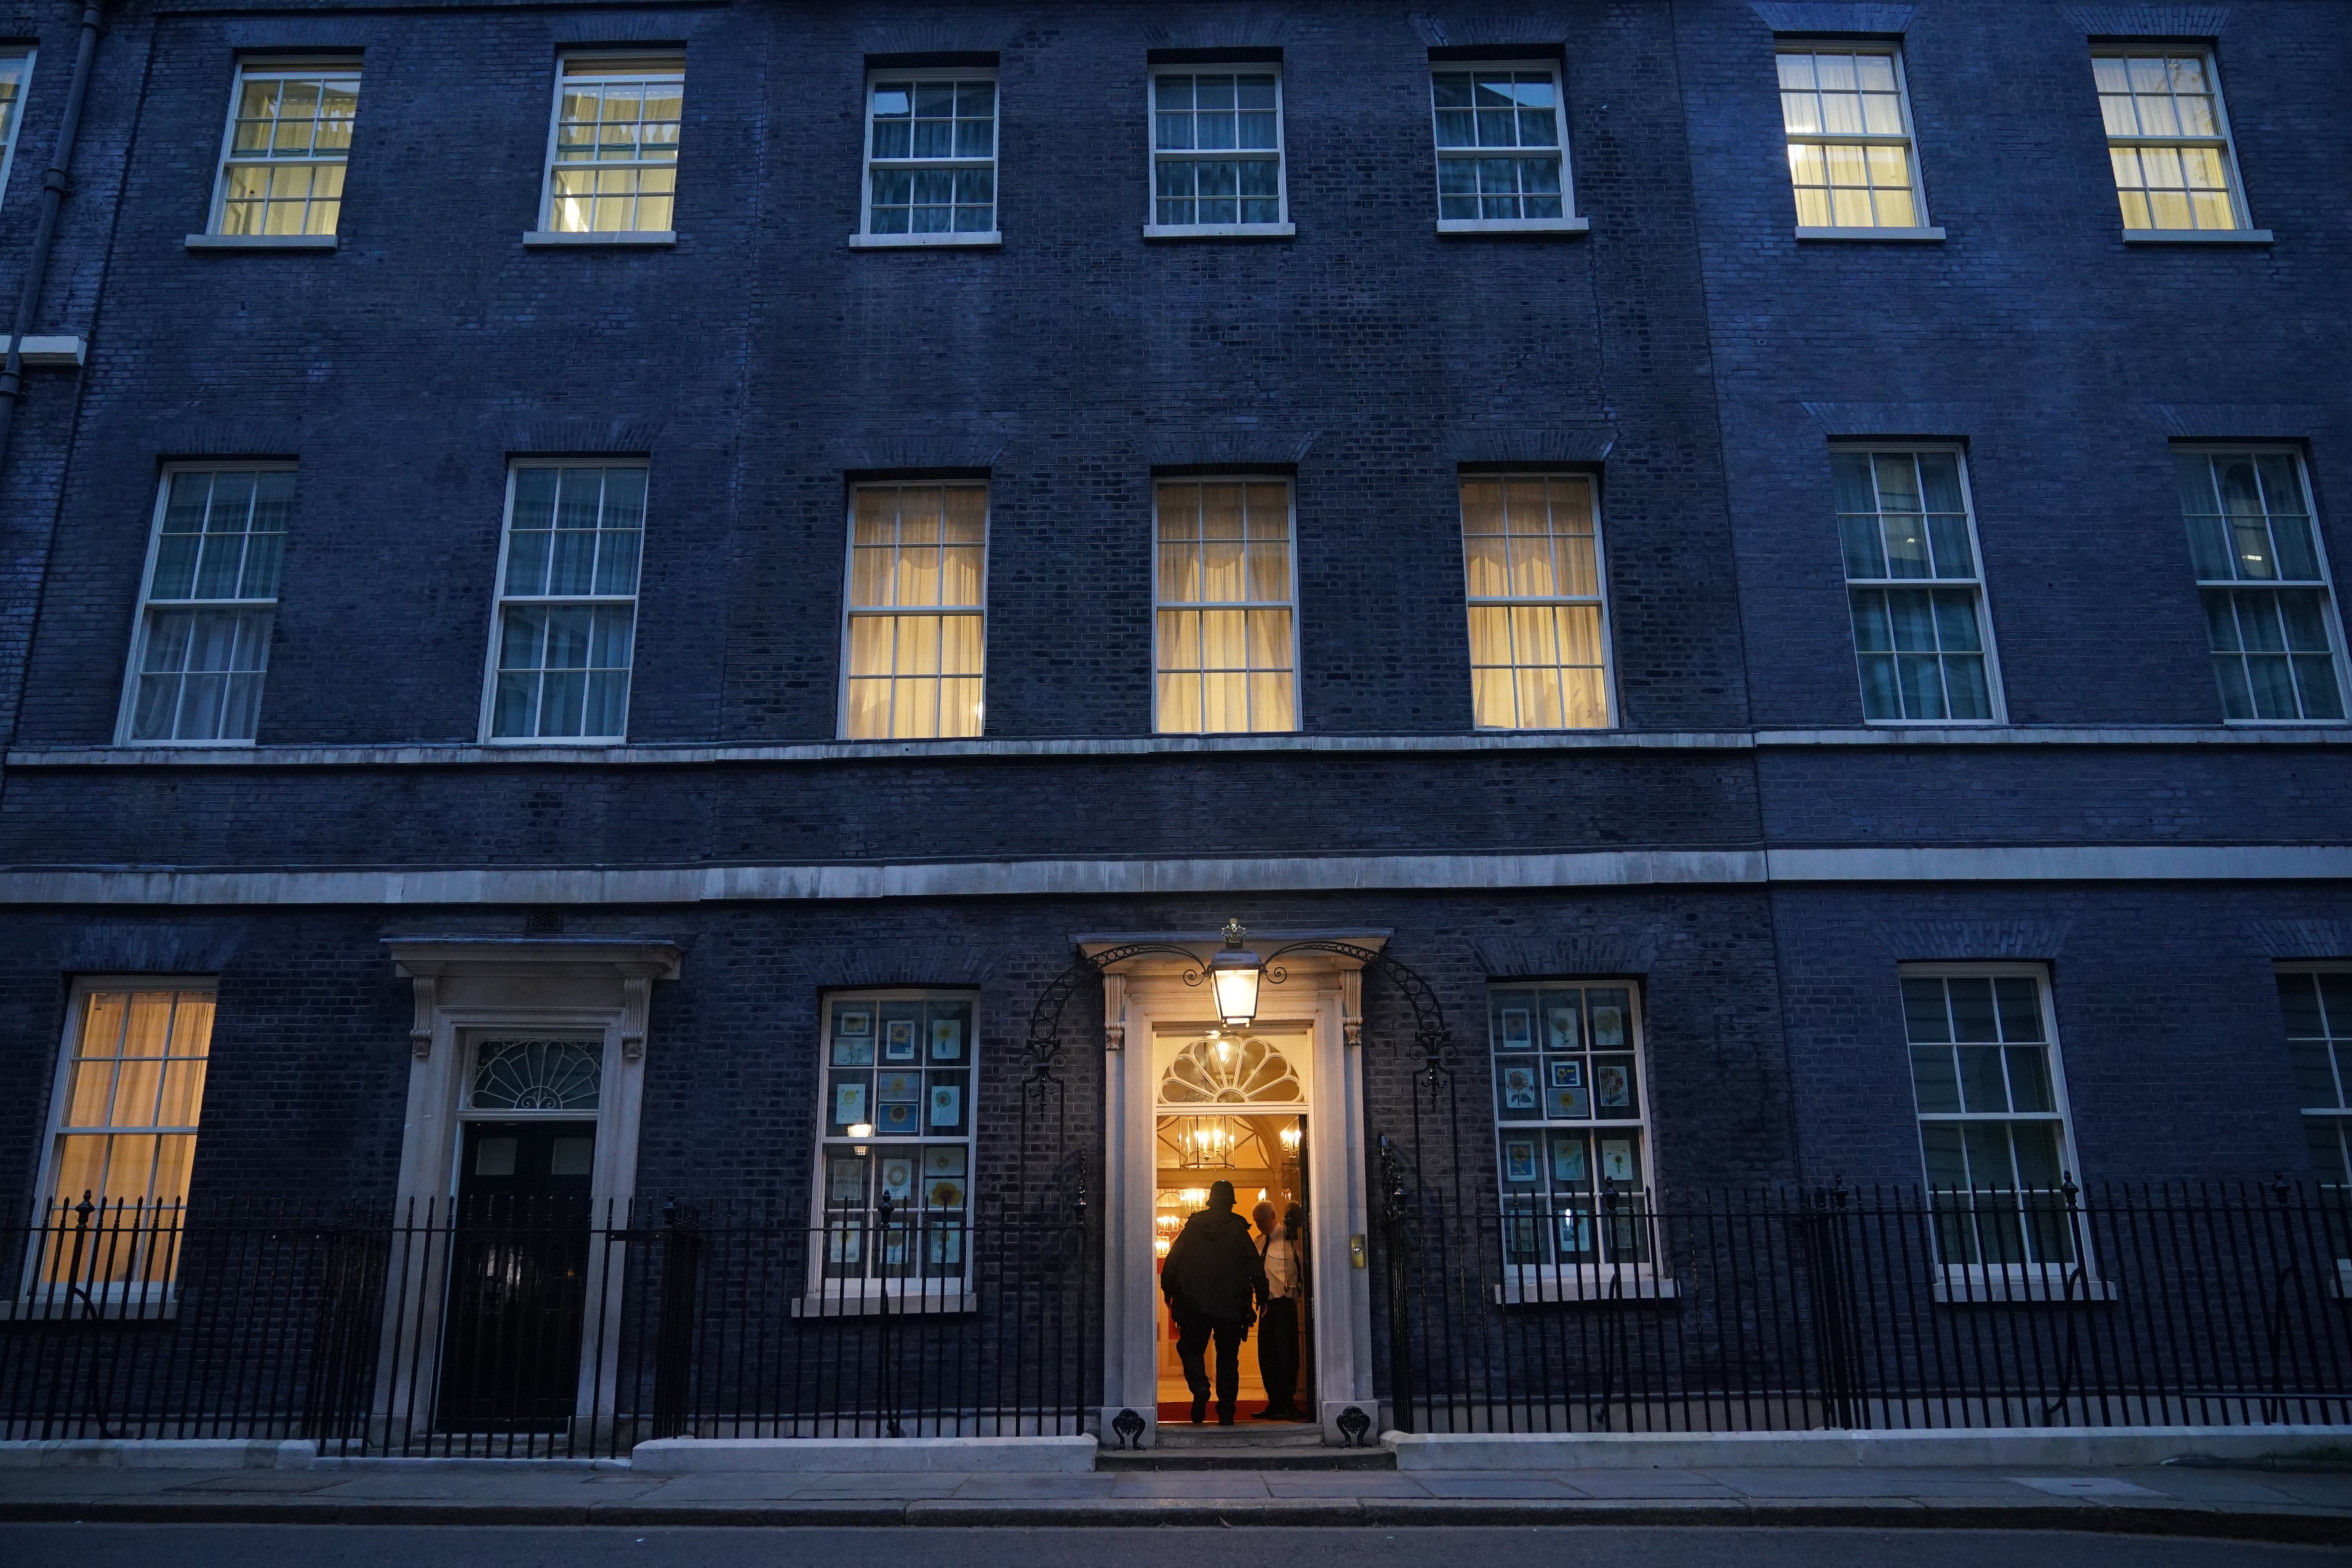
(2197, 236)
(1515, 225)
(1932, 724)
(926, 241)
(1977, 1286)
(195, 745)
(551, 240)
(1900, 235)
(260, 242)
(524, 742)
(68, 352)
(2285, 723)
(855, 1303)
(1584, 1285)
(1220, 230)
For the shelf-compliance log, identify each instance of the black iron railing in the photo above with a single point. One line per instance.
(2128, 1305)
(519, 1329)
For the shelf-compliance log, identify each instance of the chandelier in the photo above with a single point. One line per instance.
(1206, 1144)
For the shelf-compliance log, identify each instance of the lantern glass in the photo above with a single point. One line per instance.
(1237, 994)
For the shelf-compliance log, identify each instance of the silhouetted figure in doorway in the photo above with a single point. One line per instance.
(1213, 1281)
(1280, 1252)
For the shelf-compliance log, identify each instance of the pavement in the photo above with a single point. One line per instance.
(2306, 1506)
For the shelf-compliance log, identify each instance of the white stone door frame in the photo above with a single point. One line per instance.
(1146, 995)
(464, 987)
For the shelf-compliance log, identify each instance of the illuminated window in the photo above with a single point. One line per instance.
(1921, 638)
(1216, 158)
(1848, 123)
(566, 626)
(130, 1091)
(289, 136)
(1538, 641)
(1502, 159)
(2262, 577)
(202, 644)
(930, 157)
(611, 161)
(917, 617)
(2168, 140)
(1226, 650)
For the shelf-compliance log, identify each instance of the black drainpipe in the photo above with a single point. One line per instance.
(53, 196)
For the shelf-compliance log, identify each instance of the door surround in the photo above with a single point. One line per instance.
(465, 987)
(1146, 997)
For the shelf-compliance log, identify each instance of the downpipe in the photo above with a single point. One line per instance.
(54, 185)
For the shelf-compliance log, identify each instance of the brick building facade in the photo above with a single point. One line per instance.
(1736, 839)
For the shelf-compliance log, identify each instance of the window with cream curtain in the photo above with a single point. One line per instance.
(1849, 130)
(2167, 139)
(288, 141)
(129, 1096)
(613, 165)
(1225, 655)
(1538, 641)
(917, 621)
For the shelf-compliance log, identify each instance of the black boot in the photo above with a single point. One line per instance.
(1224, 1414)
(1200, 1408)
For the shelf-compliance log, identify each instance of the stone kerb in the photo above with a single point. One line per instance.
(2073, 1446)
(894, 1456)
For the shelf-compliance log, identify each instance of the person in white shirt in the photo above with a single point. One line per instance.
(1277, 1337)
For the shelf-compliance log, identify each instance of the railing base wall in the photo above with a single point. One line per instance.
(2043, 1445)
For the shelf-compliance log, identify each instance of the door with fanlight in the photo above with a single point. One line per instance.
(519, 1235)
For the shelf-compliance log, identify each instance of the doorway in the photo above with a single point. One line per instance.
(1265, 1156)
(518, 1276)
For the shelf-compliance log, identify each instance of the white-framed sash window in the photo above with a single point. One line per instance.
(288, 143)
(207, 605)
(125, 1108)
(1225, 637)
(930, 157)
(611, 150)
(1995, 1137)
(2316, 1002)
(1538, 626)
(897, 1131)
(916, 623)
(2262, 582)
(1922, 635)
(563, 638)
(15, 81)
(1217, 151)
(2168, 141)
(1853, 161)
(1572, 1155)
(1502, 148)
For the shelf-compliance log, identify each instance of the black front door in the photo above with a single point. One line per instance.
(518, 1276)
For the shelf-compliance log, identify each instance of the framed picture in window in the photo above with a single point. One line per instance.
(1612, 1085)
(854, 1051)
(943, 1161)
(848, 1103)
(899, 1086)
(944, 1194)
(1566, 1104)
(1518, 1088)
(899, 1180)
(1575, 1232)
(847, 1023)
(1518, 1030)
(947, 1039)
(895, 1120)
(1520, 1159)
(1568, 1075)
(898, 1040)
(1566, 1031)
(1607, 1029)
(1568, 1162)
(946, 1105)
(1617, 1159)
(947, 1245)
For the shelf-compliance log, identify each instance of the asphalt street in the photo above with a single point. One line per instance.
(360, 1546)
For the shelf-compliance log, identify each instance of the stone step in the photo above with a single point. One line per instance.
(1243, 1456)
(1255, 1435)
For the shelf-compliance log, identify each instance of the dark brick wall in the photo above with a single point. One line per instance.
(763, 359)
(2034, 334)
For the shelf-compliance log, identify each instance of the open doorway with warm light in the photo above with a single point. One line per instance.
(1232, 1107)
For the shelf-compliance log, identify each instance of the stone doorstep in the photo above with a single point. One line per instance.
(2073, 1447)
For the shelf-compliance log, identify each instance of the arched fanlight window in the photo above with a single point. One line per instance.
(1219, 1069)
